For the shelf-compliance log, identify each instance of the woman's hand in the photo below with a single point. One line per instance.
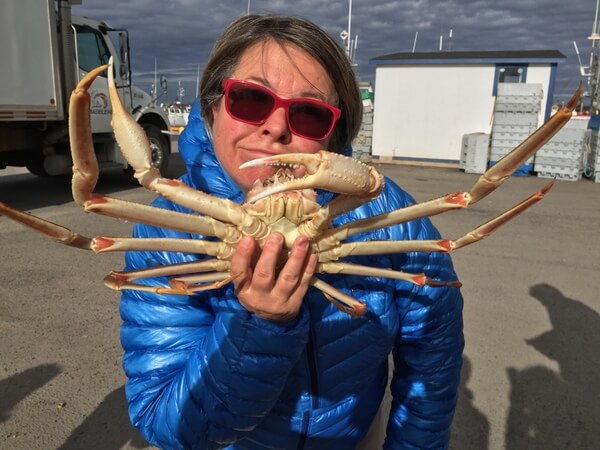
(261, 289)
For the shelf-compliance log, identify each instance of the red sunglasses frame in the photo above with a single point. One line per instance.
(279, 102)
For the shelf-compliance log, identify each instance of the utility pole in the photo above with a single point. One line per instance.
(594, 62)
(348, 49)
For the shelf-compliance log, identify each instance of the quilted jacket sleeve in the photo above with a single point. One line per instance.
(428, 351)
(190, 360)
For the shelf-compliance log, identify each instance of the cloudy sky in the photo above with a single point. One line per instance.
(178, 34)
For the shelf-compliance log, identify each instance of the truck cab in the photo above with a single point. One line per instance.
(95, 43)
(50, 51)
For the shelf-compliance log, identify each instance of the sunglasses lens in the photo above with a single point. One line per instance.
(253, 104)
(249, 104)
(310, 120)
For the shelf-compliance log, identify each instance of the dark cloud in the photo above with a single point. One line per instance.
(179, 34)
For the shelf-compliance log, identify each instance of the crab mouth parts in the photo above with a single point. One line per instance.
(283, 175)
(290, 175)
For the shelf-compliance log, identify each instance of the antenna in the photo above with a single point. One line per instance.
(198, 82)
(353, 56)
(582, 69)
(155, 80)
(594, 76)
(348, 49)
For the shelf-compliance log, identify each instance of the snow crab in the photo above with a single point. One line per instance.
(283, 203)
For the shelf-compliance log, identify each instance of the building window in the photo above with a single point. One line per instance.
(509, 73)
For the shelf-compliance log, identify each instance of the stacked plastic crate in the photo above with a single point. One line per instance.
(474, 152)
(516, 115)
(592, 150)
(562, 156)
(362, 144)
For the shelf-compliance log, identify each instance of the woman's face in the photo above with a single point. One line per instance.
(290, 73)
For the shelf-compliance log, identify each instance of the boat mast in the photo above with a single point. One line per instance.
(594, 61)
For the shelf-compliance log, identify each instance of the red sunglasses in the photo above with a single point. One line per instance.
(252, 103)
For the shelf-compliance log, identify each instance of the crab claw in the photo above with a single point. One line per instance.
(324, 170)
(131, 137)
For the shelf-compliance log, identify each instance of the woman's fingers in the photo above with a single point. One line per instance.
(294, 268)
(265, 271)
(265, 289)
(241, 263)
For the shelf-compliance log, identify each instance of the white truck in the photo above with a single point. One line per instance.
(44, 52)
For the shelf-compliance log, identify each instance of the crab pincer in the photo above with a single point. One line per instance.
(324, 170)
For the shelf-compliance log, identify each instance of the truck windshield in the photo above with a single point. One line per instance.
(91, 49)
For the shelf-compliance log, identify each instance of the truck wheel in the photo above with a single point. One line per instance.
(35, 167)
(159, 146)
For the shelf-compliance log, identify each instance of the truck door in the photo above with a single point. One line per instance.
(92, 52)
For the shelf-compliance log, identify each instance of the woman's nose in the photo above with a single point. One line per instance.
(277, 127)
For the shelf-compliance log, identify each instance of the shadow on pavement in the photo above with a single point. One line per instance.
(15, 388)
(106, 428)
(470, 429)
(551, 410)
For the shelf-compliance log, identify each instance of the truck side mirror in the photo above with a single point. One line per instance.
(123, 45)
(124, 55)
(123, 71)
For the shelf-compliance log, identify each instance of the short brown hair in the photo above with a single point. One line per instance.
(307, 36)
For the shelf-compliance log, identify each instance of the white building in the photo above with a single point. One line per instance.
(426, 102)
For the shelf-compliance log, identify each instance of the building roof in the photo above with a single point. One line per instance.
(471, 57)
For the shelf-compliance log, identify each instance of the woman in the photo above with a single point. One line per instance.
(265, 361)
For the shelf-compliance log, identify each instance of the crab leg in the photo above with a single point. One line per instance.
(221, 250)
(489, 227)
(356, 269)
(119, 285)
(202, 282)
(180, 285)
(85, 165)
(131, 137)
(500, 171)
(218, 208)
(206, 265)
(440, 245)
(150, 215)
(340, 300)
(430, 208)
(362, 248)
(433, 207)
(102, 244)
(46, 227)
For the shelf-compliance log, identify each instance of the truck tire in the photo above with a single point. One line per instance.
(37, 169)
(35, 166)
(159, 145)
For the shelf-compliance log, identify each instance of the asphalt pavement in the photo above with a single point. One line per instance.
(531, 377)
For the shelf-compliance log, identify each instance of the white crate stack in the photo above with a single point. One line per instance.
(362, 144)
(562, 156)
(592, 151)
(516, 115)
(474, 152)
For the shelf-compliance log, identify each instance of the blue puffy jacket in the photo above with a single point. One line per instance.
(204, 373)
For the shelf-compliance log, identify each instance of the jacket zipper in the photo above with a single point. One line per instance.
(314, 389)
